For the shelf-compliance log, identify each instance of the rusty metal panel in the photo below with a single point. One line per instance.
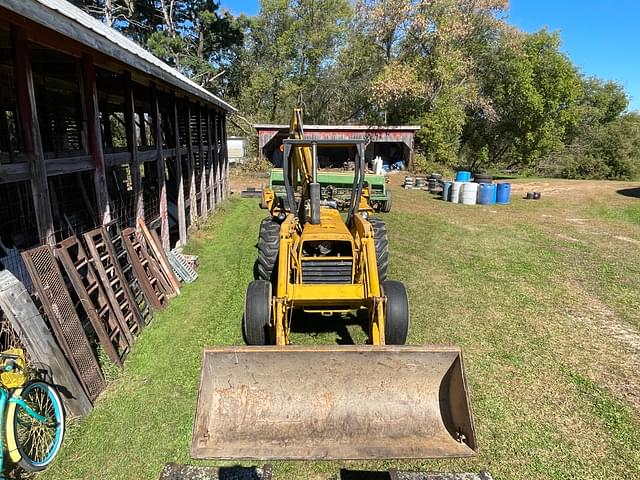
(150, 278)
(110, 327)
(52, 292)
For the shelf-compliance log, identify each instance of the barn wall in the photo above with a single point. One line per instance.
(85, 139)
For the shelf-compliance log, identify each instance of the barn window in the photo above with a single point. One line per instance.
(110, 86)
(10, 137)
(58, 101)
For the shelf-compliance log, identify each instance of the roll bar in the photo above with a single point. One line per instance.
(358, 179)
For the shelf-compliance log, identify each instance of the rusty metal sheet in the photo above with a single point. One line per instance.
(342, 402)
(63, 318)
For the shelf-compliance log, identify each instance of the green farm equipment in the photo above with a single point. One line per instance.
(338, 186)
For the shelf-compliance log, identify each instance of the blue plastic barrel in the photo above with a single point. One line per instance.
(463, 176)
(504, 194)
(486, 194)
(494, 193)
(446, 188)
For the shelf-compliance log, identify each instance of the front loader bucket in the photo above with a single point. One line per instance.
(342, 402)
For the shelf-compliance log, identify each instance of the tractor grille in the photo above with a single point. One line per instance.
(326, 271)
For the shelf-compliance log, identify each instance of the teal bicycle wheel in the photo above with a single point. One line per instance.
(33, 443)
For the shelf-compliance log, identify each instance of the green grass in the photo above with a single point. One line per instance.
(536, 301)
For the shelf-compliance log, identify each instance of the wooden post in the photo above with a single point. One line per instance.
(218, 160)
(94, 134)
(28, 113)
(193, 208)
(162, 186)
(210, 162)
(182, 220)
(203, 168)
(132, 143)
(225, 158)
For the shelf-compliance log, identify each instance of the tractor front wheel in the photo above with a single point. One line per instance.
(396, 313)
(257, 313)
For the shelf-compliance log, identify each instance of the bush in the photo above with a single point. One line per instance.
(254, 166)
(425, 166)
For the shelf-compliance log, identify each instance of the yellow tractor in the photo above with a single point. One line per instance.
(272, 400)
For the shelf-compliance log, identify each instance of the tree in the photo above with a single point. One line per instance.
(535, 92)
(292, 47)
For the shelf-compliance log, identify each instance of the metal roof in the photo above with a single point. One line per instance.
(70, 21)
(266, 126)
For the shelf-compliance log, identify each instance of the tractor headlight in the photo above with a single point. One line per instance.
(365, 215)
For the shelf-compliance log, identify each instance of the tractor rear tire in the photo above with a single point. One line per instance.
(386, 205)
(382, 247)
(396, 313)
(268, 246)
(257, 313)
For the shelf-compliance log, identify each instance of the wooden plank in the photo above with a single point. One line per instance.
(132, 143)
(14, 172)
(182, 218)
(161, 256)
(88, 288)
(60, 166)
(147, 155)
(162, 184)
(118, 158)
(63, 318)
(30, 129)
(40, 345)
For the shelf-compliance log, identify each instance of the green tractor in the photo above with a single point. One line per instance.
(338, 186)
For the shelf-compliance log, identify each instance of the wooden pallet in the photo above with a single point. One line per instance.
(145, 268)
(154, 246)
(113, 281)
(107, 321)
(63, 318)
(112, 232)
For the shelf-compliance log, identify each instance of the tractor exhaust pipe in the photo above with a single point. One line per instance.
(314, 187)
(326, 403)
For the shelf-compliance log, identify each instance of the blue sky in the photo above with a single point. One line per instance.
(602, 37)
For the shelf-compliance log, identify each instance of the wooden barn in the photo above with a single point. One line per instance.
(93, 128)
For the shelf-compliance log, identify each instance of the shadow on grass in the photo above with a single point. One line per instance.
(310, 323)
(629, 192)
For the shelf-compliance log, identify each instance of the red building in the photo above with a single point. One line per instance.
(392, 143)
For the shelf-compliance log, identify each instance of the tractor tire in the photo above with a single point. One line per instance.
(268, 246)
(382, 247)
(257, 313)
(396, 313)
(386, 205)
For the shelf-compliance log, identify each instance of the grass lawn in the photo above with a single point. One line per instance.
(543, 297)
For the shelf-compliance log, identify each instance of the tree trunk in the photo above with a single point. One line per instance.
(108, 13)
(167, 7)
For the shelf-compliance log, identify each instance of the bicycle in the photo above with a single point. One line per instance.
(31, 415)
